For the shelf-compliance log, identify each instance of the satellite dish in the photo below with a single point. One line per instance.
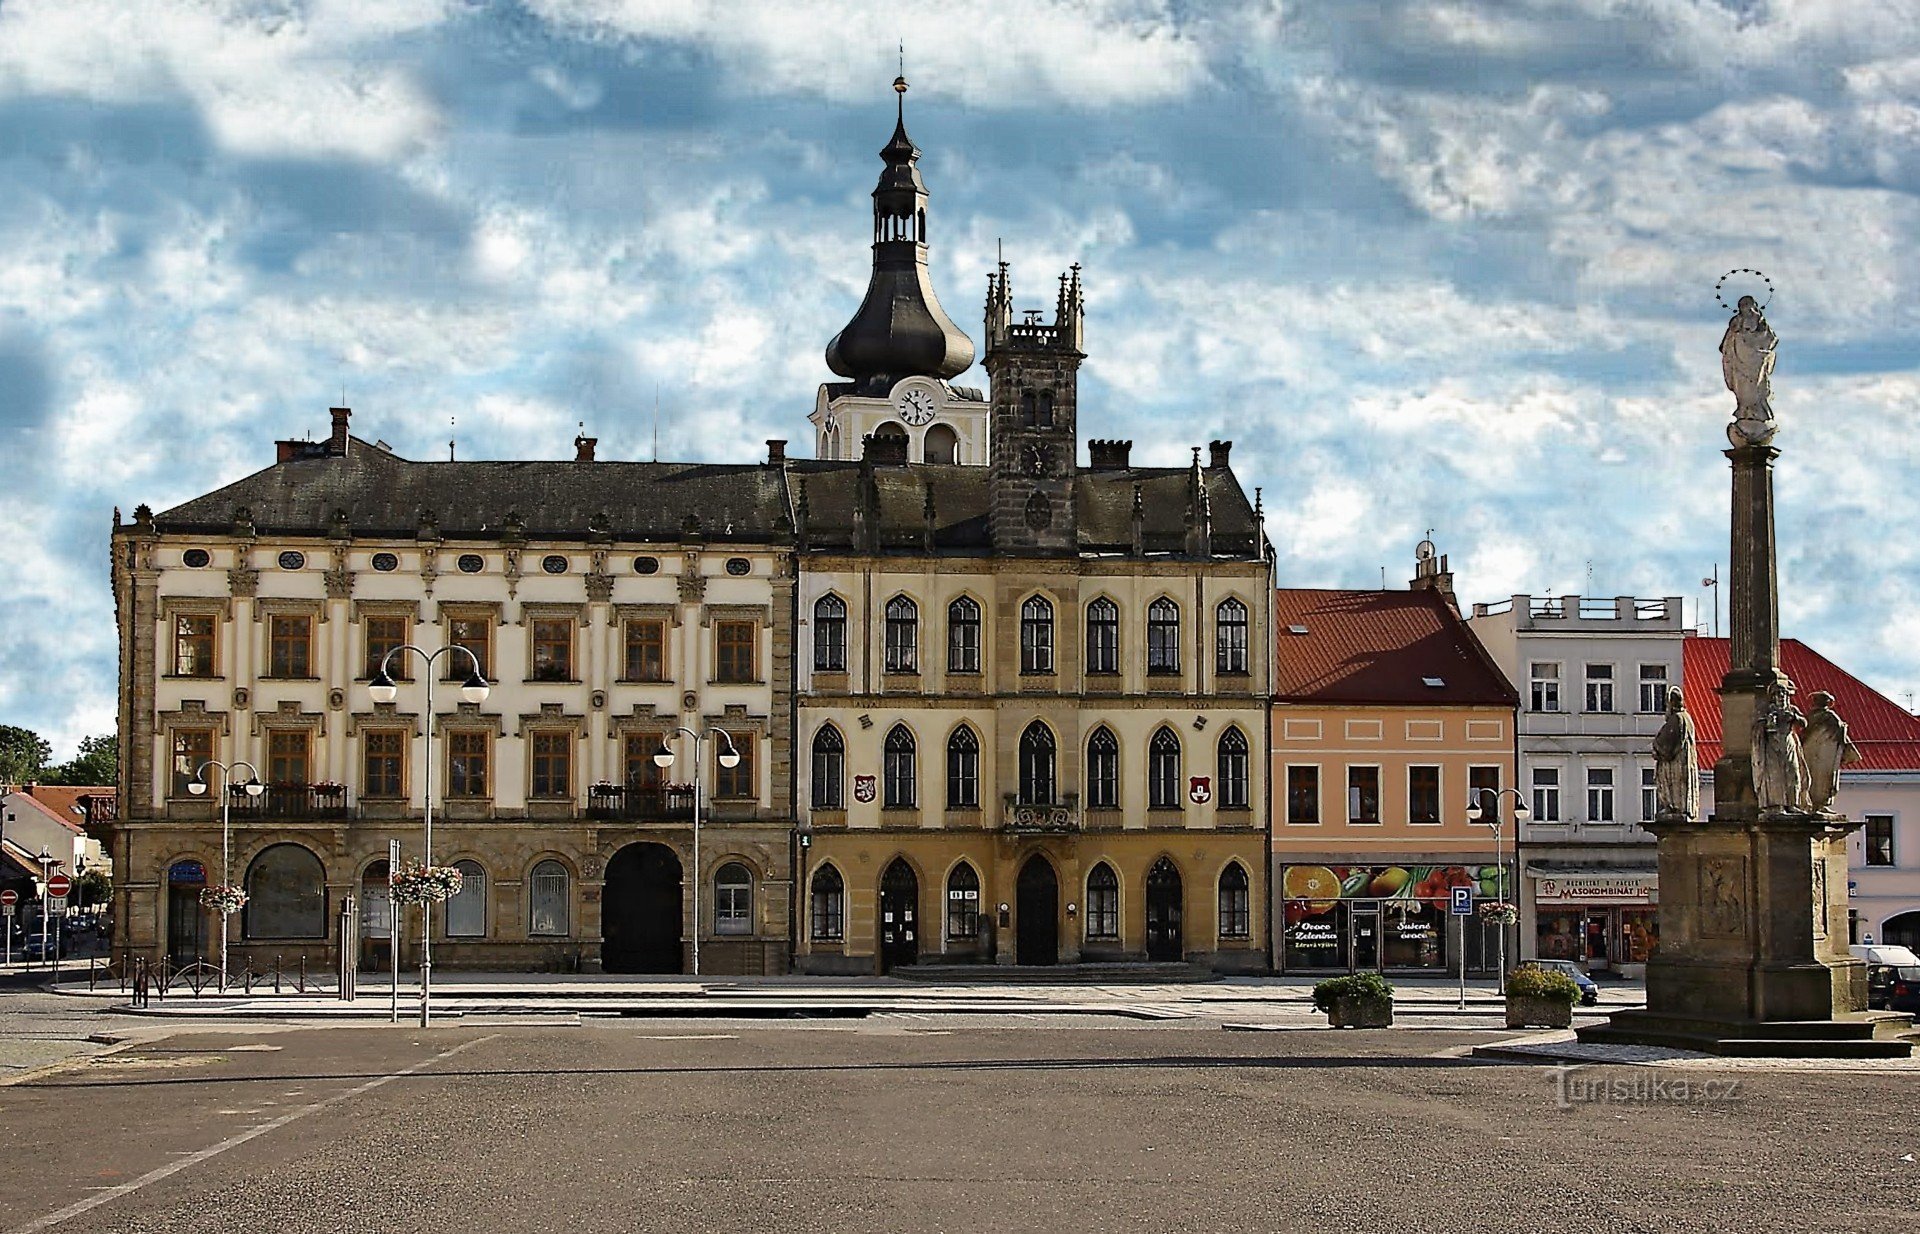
(1424, 551)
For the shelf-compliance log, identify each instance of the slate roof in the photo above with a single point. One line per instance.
(385, 495)
(1379, 647)
(1887, 734)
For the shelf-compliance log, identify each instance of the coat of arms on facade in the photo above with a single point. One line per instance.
(864, 788)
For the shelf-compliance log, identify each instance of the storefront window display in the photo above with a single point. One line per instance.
(1391, 917)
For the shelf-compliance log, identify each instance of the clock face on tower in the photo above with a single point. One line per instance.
(916, 407)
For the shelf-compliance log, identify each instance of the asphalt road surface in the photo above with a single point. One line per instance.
(911, 1123)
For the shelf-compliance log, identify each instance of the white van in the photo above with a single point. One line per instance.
(1891, 957)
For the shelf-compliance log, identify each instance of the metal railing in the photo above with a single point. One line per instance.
(144, 978)
(619, 801)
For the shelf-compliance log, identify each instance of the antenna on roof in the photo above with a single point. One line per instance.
(656, 424)
(1383, 578)
(449, 439)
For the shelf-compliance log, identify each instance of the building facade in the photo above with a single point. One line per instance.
(1595, 673)
(607, 604)
(1388, 720)
(1881, 790)
(1030, 690)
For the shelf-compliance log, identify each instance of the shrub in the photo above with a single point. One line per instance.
(1531, 981)
(1365, 987)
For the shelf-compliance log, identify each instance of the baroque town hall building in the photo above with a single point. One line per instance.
(992, 703)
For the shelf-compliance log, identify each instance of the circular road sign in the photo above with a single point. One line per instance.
(58, 886)
(9, 898)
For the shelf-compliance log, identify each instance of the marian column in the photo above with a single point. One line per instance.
(1753, 899)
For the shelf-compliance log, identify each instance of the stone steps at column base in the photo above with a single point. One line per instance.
(1869, 1034)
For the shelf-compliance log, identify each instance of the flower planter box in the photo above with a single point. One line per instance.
(1524, 1012)
(1361, 1013)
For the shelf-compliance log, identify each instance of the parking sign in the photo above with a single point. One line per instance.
(1462, 905)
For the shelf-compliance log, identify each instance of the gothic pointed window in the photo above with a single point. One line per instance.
(1103, 770)
(903, 636)
(963, 770)
(1163, 636)
(1233, 768)
(1036, 635)
(827, 904)
(963, 636)
(830, 635)
(1103, 903)
(1230, 637)
(963, 903)
(1103, 636)
(1163, 770)
(829, 769)
(902, 788)
(1036, 765)
(1236, 904)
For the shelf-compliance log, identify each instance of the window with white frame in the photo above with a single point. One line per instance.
(1103, 770)
(898, 762)
(827, 905)
(548, 901)
(1653, 687)
(963, 636)
(467, 908)
(1544, 692)
(1649, 797)
(1600, 795)
(1879, 837)
(1546, 794)
(830, 635)
(902, 636)
(1600, 687)
(829, 769)
(1103, 903)
(1163, 770)
(733, 899)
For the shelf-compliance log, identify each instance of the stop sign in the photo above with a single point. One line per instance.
(9, 898)
(58, 886)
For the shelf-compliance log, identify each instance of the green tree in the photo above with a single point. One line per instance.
(98, 763)
(23, 755)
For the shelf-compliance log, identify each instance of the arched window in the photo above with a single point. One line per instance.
(963, 636)
(1163, 770)
(827, 904)
(903, 636)
(467, 911)
(549, 903)
(1163, 636)
(1036, 765)
(733, 899)
(286, 894)
(1232, 768)
(1103, 770)
(1036, 635)
(1230, 637)
(1043, 415)
(829, 769)
(1236, 905)
(1027, 408)
(830, 635)
(1103, 903)
(963, 770)
(963, 903)
(1103, 636)
(902, 788)
(941, 444)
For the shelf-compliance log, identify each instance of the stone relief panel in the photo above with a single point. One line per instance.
(1723, 888)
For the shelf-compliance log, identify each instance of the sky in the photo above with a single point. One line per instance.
(1432, 265)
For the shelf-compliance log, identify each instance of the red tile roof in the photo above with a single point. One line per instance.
(1888, 736)
(62, 798)
(34, 800)
(1378, 647)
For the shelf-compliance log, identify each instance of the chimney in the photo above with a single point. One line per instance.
(583, 447)
(884, 448)
(1108, 455)
(776, 451)
(1219, 451)
(337, 444)
(285, 451)
(1430, 573)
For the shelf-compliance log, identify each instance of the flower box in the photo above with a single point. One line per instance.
(1535, 1012)
(418, 884)
(1361, 1013)
(1362, 1000)
(223, 898)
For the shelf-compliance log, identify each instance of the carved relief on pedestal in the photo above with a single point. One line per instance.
(1722, 883)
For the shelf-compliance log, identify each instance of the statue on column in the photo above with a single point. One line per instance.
(1827, 750)
(1676, 762)
(1779, 766)
(1746, 362)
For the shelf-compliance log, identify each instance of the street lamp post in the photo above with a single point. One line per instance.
(383, 690)
(663, 759)
(47, 862)
(253, 788)
(1520, 815)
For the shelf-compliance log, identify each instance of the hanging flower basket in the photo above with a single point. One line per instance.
(418, 884)
(223, 898)
(1498, 912)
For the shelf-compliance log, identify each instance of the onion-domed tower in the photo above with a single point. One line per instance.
(901, 347)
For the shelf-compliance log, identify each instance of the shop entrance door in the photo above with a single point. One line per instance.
(1164, 940)
(1596, 943)
(186, 925)
(1366, 937)
(899, 906)
(1038, 939)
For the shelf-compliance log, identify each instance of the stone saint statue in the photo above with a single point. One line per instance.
(1746, 362)
(1827, 750)
(1676, 762)
(1779, 768)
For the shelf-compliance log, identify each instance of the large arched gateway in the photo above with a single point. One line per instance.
(640, 911)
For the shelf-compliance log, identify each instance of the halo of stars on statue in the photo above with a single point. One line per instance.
(1721, 283)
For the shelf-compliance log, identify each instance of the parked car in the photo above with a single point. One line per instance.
(37, 947)
(1884, 968)
(1589, 991)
